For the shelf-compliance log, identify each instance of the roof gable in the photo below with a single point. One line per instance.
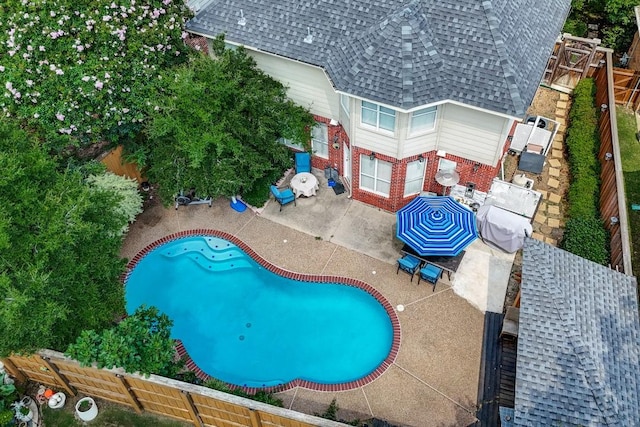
(578, 344)
(405, 53)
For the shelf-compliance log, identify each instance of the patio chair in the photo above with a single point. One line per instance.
(283, 196)
(409, 264)
(511, 322)
(303, 162)
(431, 274)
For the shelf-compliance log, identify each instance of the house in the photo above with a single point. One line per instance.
(578, 342)
(400, 89)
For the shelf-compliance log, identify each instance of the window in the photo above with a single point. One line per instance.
(375, 175)
(423, 120)
(344, 101)
(320, 140)
(378, 116)
(414, 178)
(447, 165)
(291, 143)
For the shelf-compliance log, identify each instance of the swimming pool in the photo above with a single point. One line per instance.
(247, 322)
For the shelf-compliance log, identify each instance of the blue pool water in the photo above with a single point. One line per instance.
(247, 326)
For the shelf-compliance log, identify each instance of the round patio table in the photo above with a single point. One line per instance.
(304, 184)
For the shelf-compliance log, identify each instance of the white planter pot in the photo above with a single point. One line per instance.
(90, 413)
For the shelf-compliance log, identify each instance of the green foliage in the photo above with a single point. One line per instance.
(140, 343)
(615, 17)
(585, 234)
(630, 156)
(587, 238)
(331, 413)
(260, 395)
(122, 188)
(7, 394)
(80, 70)
(215, 127)
(60, 264)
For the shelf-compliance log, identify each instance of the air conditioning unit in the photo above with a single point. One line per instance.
(541, 122)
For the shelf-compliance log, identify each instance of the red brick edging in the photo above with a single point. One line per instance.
(190, 364)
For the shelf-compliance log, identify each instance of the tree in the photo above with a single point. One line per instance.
(80, 70)
(59, 250)
(140, 343)
(215, 127)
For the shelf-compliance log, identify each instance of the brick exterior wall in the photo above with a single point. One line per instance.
(198, 43)
(482, 176)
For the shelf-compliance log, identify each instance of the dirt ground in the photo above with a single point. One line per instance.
(545, 105)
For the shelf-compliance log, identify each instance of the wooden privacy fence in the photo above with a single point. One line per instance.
(198, 405)
(612, 197)
(114, 162)
(626, 87)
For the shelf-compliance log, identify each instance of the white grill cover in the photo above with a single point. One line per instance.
(502, 228)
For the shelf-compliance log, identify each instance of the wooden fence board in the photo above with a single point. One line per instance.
(115, 163)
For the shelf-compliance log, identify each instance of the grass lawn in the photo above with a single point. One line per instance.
(630, 153)
(107, 417)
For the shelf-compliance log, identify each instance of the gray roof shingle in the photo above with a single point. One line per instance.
(405, 53)
(578, 344)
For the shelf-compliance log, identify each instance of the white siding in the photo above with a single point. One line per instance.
(307, 85)
(422, 143)
(369, 139)
(472, 134)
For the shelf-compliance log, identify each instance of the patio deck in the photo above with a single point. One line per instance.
(435, 375)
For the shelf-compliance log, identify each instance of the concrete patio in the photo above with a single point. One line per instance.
(434, 379)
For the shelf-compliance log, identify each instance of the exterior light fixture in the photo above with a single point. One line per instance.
(608, 156)
(372, 156)
(421, 158)
(336, 142)
(614, 220)
(604, 107)
(476, 167)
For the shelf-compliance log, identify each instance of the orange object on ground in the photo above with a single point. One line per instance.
(48, 393)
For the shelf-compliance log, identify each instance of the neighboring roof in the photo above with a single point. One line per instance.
(405, 53)
(578, 342)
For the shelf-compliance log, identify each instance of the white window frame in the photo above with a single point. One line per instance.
(291, 143)
(320, 146)
(429, 111)
(379, 111)
(344, 102)
(419, 177)
(447, 165)
(375, 177)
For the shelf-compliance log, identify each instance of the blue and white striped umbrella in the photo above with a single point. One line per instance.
(436, 226)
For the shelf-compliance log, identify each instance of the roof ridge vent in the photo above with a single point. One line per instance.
(242, 21)
(309, 37)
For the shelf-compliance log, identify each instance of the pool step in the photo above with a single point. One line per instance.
(211, 254)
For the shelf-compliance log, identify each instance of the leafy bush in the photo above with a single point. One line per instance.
(140, 343)
(124, 189)
(587, 238)
(83, 69)
(585, 234)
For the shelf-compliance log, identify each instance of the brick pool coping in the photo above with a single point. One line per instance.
(190, 364)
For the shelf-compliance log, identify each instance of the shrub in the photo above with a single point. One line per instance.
(587, 238)
(125, 190)
(140, 343)
(585, 234)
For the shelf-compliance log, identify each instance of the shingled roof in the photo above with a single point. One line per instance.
(405, 53)
(578, 344)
